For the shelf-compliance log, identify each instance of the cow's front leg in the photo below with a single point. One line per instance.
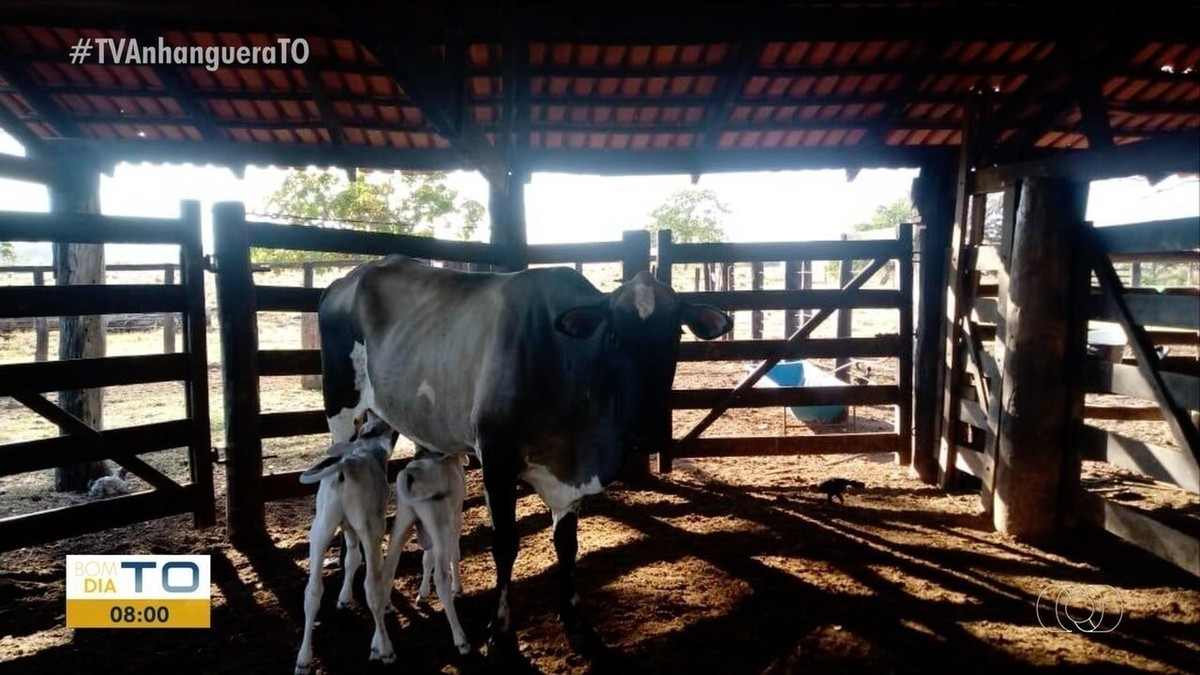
(580, 634)
(500, 493)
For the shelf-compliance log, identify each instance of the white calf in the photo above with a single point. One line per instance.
(430, 490)
(353, 494)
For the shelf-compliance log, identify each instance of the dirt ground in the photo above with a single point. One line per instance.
(723, 565)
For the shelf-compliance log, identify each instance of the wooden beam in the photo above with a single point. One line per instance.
(1141, 530)
(175, 85)
(1169, 153)
(739, 70)
(1093, 109)
(17, 127)
(908, 93)
(25, 168)
(406, 58)
(35, 95)
(329, 116)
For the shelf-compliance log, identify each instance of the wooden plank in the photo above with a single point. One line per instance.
(1157, 309)
(973, 462)
(822, 348)
(89, 299)
(89, 228)
(287, 298)
(277, 362)
(785, 250)
(1167, 153)
(111, 371)
(593, 252)
(760, 446)
(357, 242)
(1102, 377)
(49, 453)
(1174, 337)
(96, 442)
(1159, 236)
(986, 310)
(292, 423)
(973, 413)
(69, 521)
(731, 301)
(1141, 530)
(1123, 413)
(768, 397)
(195, 344)
(1164, 464)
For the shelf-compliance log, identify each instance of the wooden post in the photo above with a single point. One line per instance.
(933, 196)
(728, 283)
(507, 210)
(845, 317)
(1135, 274)
(169, 317)
(310, 336)
(41, 327)
(663, 273)
(77, 190)
(636, 258)
(246, 521)
(756, 316)
(805, 283)
(791, 282)
(904, 378)
(1035, 413)
(195, 344)
(696, 282)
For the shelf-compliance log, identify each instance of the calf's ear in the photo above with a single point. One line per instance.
(706, 322)
(582, 321)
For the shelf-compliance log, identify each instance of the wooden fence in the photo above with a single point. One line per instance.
(79, 443)
(798, 344)
(1149, 318)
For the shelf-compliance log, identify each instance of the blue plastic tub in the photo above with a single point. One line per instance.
(805, 374)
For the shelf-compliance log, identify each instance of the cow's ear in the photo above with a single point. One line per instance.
(582, 321)
(706, 322)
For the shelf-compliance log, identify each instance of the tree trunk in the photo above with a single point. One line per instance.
(80, 336)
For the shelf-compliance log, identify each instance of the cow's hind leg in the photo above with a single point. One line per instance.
(500, 493)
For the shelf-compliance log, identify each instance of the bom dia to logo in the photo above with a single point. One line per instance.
(138, 591)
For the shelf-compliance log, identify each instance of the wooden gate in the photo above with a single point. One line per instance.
(799, 344)
(78, 442)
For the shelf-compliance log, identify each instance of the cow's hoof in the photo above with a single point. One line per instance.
(303, 669)
(463, 648)
(504, 654)
(342, 605)
(585, 641)
(378, 654)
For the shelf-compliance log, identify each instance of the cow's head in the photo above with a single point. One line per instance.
(639, 326)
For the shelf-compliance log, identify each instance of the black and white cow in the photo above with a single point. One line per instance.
(538, 373)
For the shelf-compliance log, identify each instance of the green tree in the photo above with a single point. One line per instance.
(693, 215)
(7, 254)
(886, 216)
(412, 203)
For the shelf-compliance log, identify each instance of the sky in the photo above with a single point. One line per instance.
(765, 206)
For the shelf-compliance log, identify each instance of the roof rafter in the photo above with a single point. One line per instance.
(720, 113)
(907, 94)
(175, 85)
(330, 119)
(407, 59)
(36, 97)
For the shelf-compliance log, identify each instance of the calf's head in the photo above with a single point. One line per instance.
(638, 327)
